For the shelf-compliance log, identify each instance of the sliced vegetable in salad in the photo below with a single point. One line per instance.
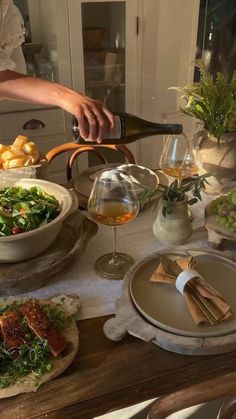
(24, 210)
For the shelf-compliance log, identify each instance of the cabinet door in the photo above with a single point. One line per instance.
(48, 45)
(102, 36)
(104, 51)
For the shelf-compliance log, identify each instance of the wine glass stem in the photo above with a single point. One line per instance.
(179, 182)
(114, 241)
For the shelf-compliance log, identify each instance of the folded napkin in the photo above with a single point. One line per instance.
(199, 296)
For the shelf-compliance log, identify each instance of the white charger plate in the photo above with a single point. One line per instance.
(163, 306)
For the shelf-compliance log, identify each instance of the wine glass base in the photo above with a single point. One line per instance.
(113, 268)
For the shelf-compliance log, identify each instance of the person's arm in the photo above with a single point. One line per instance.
(89, 112)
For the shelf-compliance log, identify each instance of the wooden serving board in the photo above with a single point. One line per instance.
(17, 278)
(128, 320)
(217, 233)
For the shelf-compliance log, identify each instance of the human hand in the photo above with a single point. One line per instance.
(95, 120)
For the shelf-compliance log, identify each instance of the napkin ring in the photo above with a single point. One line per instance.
(184, 277)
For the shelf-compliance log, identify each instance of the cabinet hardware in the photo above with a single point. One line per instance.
(137, 25)
(33, 124)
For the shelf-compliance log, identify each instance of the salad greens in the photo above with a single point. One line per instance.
(34, 355)
(23, 210)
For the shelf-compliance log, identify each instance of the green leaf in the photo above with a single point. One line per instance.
(27, 209)
(213, 102)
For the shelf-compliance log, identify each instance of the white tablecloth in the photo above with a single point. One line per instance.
(98, 295)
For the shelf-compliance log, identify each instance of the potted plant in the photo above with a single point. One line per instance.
(213, 104)
(172, 225)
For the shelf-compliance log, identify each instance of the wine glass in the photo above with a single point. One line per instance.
(179, 159)
(113, 201)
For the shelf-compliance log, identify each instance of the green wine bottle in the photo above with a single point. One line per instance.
(129, 128)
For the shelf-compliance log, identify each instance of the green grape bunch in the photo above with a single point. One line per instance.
(224, 208)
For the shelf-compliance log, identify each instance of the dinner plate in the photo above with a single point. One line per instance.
(163, 306)
(141, 176)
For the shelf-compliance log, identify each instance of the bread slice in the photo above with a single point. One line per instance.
(20, 141)
(16, 151)
(21, 153)
(31, 149)
(17, 162)
(8, 154)
(4, 148)
(59, 364)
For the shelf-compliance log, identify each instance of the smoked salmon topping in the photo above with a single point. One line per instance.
(38, 322)
(12, 333)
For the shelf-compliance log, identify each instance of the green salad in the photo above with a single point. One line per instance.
(23, 210)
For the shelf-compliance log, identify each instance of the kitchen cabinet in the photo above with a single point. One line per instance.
(86, 44)
(126, 53)
(102, 35)
(48, 42)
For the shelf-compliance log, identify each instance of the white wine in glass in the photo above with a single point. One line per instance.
(178, 159)
(113, 201)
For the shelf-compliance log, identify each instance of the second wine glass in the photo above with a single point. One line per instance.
(179, 159)
(113, 201)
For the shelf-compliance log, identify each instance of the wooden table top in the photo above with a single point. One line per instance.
(108, 375)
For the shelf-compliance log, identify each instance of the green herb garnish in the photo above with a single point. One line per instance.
(33, 358)
(56, 316)
(34, 355)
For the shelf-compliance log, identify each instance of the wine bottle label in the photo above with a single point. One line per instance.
(118, 130)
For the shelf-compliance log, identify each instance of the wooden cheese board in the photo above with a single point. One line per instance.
(21, 277)
(217, 232)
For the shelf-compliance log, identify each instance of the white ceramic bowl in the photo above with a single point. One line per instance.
(23, 246)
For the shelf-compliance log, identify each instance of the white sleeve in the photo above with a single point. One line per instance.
(11, 34)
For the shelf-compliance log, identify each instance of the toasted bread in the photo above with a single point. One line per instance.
(21, 153)
(18, 161)
(31, 149)
(16, 151)
(20, 141)
(4, 148)
(8, 154)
